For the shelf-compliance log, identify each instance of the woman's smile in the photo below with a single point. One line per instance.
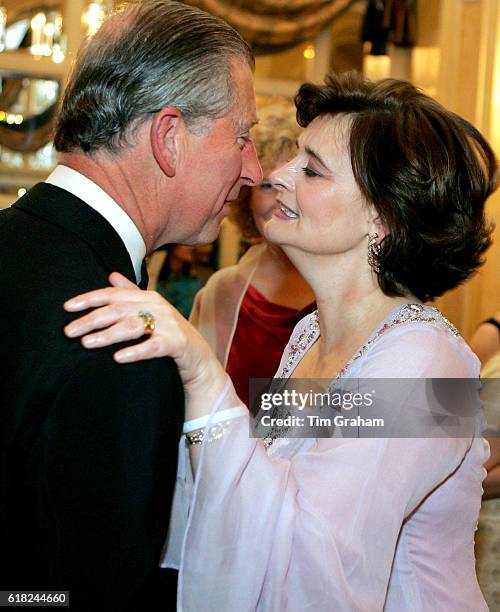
(283, 212)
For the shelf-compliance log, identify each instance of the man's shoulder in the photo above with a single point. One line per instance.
(21, 230)
(35, 248)
(39, 258)
(41, 266)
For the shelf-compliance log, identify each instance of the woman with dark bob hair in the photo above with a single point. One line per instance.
(381, 210)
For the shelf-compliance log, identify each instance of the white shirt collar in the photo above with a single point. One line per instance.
(88, 191)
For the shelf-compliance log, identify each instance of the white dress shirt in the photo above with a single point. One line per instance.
(88, 191)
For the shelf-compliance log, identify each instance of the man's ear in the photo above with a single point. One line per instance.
(167, 129)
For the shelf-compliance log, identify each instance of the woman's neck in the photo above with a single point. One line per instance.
(350, 319)
(349, 300)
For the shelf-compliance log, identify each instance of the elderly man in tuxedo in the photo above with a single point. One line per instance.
(153, 136)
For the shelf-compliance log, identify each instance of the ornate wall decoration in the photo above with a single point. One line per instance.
(275, 25)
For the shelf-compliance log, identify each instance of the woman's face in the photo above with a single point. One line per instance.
(320, 208)
(263, 200)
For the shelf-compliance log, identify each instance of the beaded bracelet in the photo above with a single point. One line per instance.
(195, 438)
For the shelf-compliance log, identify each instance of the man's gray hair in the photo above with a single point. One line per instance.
(146, 56)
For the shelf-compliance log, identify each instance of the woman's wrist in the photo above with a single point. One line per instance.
(222, 415)
(203, 392)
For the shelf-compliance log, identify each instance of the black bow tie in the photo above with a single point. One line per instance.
(144, 276)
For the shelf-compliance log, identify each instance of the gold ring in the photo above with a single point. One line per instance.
(149, 323)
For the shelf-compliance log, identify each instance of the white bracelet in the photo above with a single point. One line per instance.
(222, 415)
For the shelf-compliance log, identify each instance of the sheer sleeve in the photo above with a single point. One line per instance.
(194, 317)
(316, 531)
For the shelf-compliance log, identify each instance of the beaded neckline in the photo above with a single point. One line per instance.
(407, 313)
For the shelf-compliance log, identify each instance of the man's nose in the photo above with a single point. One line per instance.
(251, 172)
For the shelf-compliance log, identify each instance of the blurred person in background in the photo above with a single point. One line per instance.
(486, 340)
(486, 344)
(205, 261)
(247, 312)
(175, 276)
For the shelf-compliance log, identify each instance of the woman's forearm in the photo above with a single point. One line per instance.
(211, 405)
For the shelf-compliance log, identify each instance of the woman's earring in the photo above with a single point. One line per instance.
(373, 252)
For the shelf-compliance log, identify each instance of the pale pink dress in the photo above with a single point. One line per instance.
(336, 525)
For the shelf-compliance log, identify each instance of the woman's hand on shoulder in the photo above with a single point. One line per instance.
(119, 314)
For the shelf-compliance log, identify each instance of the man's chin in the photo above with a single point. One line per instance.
(206, 236)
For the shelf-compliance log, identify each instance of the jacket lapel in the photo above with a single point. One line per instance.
(62, 208)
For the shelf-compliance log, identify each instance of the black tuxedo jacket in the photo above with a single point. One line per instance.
(88, 448)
